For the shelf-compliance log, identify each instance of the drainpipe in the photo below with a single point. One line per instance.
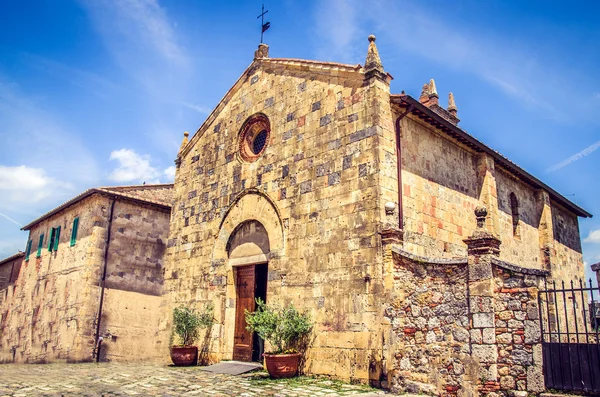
(98, 338)
(399, 167)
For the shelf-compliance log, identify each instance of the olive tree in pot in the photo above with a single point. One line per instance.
(285, 329)
(187, 324)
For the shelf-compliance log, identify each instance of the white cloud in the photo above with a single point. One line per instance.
(587, 151)
(141, 38)
(512, 66)
(199, 109)
(593, 237)
(91, 82)
(338, 41)
(169, 173)
(133, 167)
(26, 185)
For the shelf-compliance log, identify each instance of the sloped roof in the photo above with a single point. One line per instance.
(12, 257)
(144, 194)
(423, 112)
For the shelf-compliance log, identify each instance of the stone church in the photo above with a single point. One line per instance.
(311, 183)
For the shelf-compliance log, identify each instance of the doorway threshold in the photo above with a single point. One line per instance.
(232, 367)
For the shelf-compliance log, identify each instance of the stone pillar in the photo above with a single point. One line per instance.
(596, 269)
(488, 195)
(546, 230)
(482, 247)
(379, 373)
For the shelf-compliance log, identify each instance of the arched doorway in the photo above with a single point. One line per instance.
(248, 249)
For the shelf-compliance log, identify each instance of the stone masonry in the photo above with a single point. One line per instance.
(361, 204)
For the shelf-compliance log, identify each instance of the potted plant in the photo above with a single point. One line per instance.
(187, 323)
(284, 328)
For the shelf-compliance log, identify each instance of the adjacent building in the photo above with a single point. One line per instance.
(92, 271)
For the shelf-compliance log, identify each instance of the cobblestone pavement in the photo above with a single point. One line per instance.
(110, 379)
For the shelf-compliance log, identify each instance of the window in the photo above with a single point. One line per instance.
(74, 231)
(514, 208)
(28, 250)
(40, 244)
(51, 239)
(254, 137)
(57, 238)
(54, 239)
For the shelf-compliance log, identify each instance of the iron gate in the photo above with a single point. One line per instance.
(570, 321)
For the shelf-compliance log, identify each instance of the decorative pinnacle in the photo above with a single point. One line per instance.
(451, 103)
(432, 89)
(373, 62)
(185, 140)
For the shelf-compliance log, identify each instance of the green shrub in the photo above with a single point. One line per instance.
(188, 322)
(282, 327)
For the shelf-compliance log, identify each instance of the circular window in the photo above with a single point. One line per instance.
(254, 137)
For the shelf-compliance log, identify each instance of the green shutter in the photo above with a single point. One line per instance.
(57, 238)
(28, 251)
(74, 231)
(40, 244)
(51, 239)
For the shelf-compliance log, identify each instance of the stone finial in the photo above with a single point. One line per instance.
(373, 66)
(185, 140)
(262, 52)
(481, 213)
(482, 241)
(452, 105)
(433, 95)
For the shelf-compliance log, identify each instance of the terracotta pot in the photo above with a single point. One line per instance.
(184, 355)
(282, 365)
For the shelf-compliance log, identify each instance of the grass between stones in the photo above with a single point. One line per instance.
(306, 382)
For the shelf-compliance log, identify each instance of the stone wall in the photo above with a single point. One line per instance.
(444, 179)
(451, 337)
(440, 184)
(315, 191)
(51, 307)
(134, 282)
(523, 247)
(430, 325)
(518, 332)
(50, 312)
(568, 261)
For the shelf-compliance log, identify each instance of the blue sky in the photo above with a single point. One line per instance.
(99, 92)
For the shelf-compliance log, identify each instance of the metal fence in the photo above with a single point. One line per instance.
(570, 326)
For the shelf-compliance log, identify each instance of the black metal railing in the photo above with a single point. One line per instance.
(569, 323)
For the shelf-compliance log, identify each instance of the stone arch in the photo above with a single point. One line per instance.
(250, 205)
(248, 243)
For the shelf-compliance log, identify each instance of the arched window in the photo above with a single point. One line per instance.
(514, 208)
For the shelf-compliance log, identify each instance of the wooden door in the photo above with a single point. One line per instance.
(245, 292)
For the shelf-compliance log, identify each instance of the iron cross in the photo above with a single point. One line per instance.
(264, 26)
